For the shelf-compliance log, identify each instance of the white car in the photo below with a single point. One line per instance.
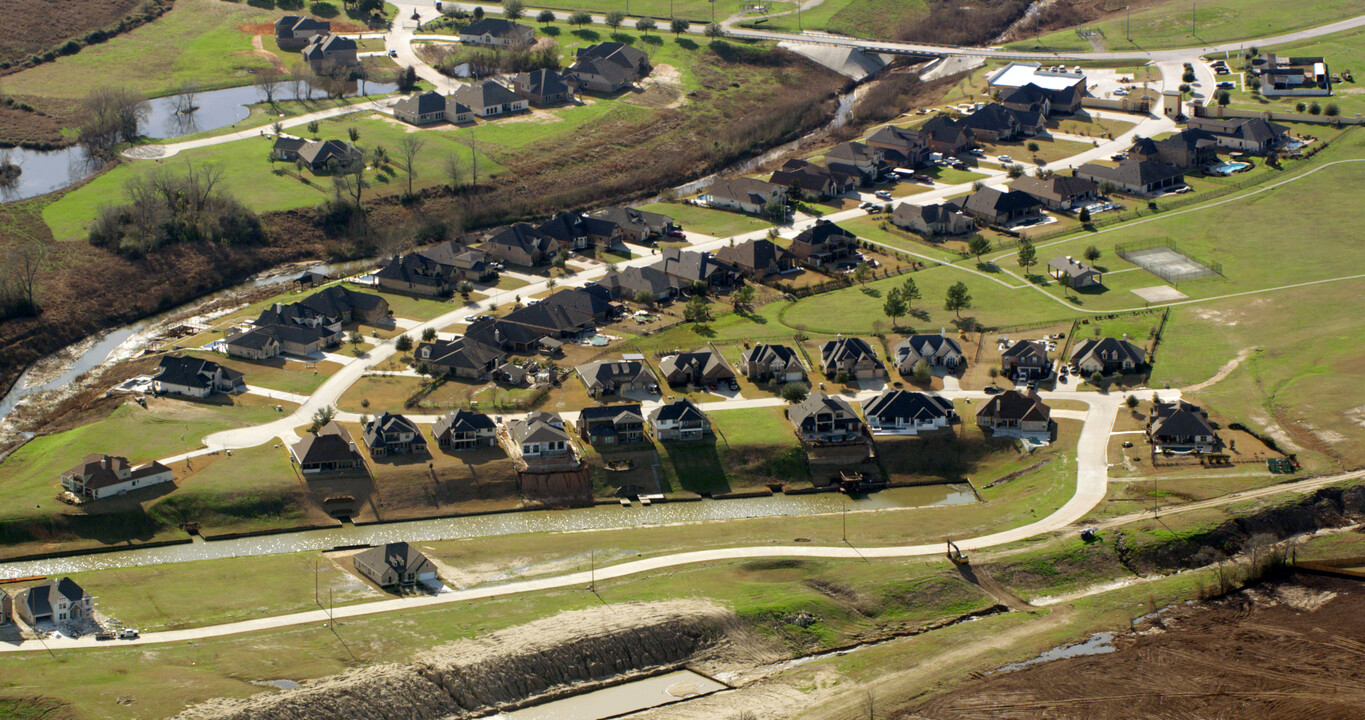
(883, 194)
(1005, 159)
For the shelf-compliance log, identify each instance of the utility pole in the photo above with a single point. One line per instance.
(1192, 16)
(845, 519)
(799, 26)
(315, 583)
(592, 570)
(1128, 25)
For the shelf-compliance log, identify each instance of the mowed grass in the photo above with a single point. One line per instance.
(859, 18)
(716, 223)
(694, 10)
(278, 373)
(1341, 51)
(1167, 24)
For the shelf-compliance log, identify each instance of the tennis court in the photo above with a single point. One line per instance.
(1167, 264)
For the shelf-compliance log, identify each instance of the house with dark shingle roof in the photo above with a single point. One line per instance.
(100, 476)
(636, 226)
(1181, 427)
(329, 155)
(286, 148)
(498, 33)
(743, 194)
(1025, 359)
(1253, 135)
(612, 424)
(489, 98)
(195, 377)
(632, 281)
(1134, 176)
(900, 148)
(764, 362)
(693, 267)
(327, 51)
(394, 565)
(822, 182)
(254, 344)
(542, 87)
(541, 444)
(463, 357)
(607, 67)
(946, 135)
(331, 449)
(856, 158)
(825, 244)
(521, 244)
(435, 272)
(1108, 356)
(53, 601)
(293, 32)
(995, 122)
(902, 412)
(1188, 149)
(822, 418)
(853, 357)
(696, 368)
(936, 350)
(999, 207)
(390, 434)
(431, 107)
(616, 376)
(1058, 192)
(1073, 272)
(931, 220)
(758, 258)
(464, 430)
(1016, 414)
(679, 420)
(346, 305)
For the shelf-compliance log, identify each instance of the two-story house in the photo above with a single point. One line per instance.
(101, 476)
(464, 430)
(936, 350)
(699, 368)
(330, 449)
(1025, 360)
(390, 434)
(616, 376)
(778, 363)
(54, 601)
(612, 424)
(902, 412)
(1182, 427)
(853, 357)
(195, 377)
(1016, 414)
(822, 418)
(825, 244)
(1108, 356)
(679, 420)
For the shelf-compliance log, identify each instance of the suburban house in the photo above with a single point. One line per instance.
(576, 231)
(822, 418)
(696, 368)
(1034, 98)
(1108, 356)
(389, 434)
(777, 363)
(435, 271)
(394, 565)
(902, 412)
(616, 376)
(53, 601)
(101, 476)
(743, 194)
(1016, 414)
(936, 350)
(1134, 176)
(260, 343)
(331, 449)
(758, 258)
(900, 148)
(488, 98)
(995, 122)
(826, 244)
(463, 357)
(1073, 272)
(998, 207)
(855, 158)
(679, 420)
(521, 244)
(293, 32)
(636, 226)
(511, 375)
(1188, 149)
(1253, 135)
(634, 281)
(1181, 427)
(1025, 360)
(318, 155)
(946, 135)
(607, 67)
(539, 442)
(1063, 88)
(1058, 192)
(343, 305)
(431, 107)
(542, 87)
(327, 52)
(822, 182)
(1292, 76)
(195, 377)
(612, 424)
(464, 430)
(498, 33)
(853, 357)
(931, 220)
(696, 268)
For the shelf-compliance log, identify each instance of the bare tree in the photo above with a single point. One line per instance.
(185, 99)
(452, 169)
(408, 150)
(111, 115)
(268, 81)
(350, 181)
(299, 77)
(25, 261)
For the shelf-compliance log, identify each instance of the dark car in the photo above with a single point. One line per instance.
(992, 390)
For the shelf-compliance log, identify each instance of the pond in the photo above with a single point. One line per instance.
(45, 171)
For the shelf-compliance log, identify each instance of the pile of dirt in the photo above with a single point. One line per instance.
(568, 653)
(1280, 651)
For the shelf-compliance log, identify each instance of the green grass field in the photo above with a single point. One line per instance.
(716, 223)
(859, 18)
(1342, 51)
(1167, 24)
(694, 10)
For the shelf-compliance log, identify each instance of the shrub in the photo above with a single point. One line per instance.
(403, 343)
(795, 392)
(1314, 108)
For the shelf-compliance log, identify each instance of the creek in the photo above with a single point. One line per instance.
(597, 517)
(45, 171)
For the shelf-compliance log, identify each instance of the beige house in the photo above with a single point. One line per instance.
(394, 565)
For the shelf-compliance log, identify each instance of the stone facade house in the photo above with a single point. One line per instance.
(762, 363)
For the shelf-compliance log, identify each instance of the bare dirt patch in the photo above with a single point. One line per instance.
(34, 26)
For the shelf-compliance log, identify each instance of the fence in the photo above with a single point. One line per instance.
(1164, 259)
(1233, 113)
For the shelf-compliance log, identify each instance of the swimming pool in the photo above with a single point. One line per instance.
(1229, 168)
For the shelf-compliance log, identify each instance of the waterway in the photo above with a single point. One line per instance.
(598, 517)
(45, 171)
(622, 699)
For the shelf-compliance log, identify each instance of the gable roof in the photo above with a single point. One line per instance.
(189, 371)
(1014, 405)
(704, 362)
(616, 53)
(336, 301)
(536, 431)
(496, 27)
(897, 136)
(597, 374)
(485, 94)
(942, 128)
(904, 404)
(387, 422)
(848, 348)
(929, 214)
(755, 254)
(331, 444)
(765, 354)
(1132, 172)
(926, 345)
(1180, 418)
(615, 414)
(1108, 350)
(994, 117)
(743, 189)
(399, 556)
(822, 232)
(542, 82)
(992, 201)
(1026, 349)
(1072, 267)
(693, 266)
(817, 402)
(680, 410)
(462, 421)
(422, 103)
(1057, 186)
(650, 279)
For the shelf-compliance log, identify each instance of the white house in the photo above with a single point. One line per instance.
(101, 476)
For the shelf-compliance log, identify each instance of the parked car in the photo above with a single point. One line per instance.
(106, 635)
(470, 318)
(393, 53)
(992, 390)
(1121, 92)
(883, 194)
(977, 152)
(127, 634)
(1226, 85)
(677, 234)
(1005, 159)
(734, 385)
(1118, 156)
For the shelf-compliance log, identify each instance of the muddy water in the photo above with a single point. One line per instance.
(628, 698)
(600, 517)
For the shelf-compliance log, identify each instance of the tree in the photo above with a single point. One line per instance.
(277, 128)
(429, 334)
(1254, 84)
(644, 25)
(614, 19)
(321, 417)
(1028, 256)
(464, 288)
(795, 392)
(895, 306)
(910, 292)
(268, 81)
(1223, 97)
(697, 310)
(513, 9)
(355, 338)
(775, 209)
(313, 128)
(1083, 215)
(994, 373)
(862, 273)
(1188, 75)
(353, 133)
(1332, 110)
(350, 181)
(742, 297)
(551, 283)
(1032, 146)
(958, 298)
(25, 262)
(1015, 171)
(452, 170)
(407, 79)
(110, 115)
(1131, 402)
(1092, 253)
(644, 298)
(1096, 378)
(478, 12)
(545, 17)
(714, 30)
(409, 148)
(679, 26)
(1300, 106)
(403, 343)
(923, 372)
(579, 17)
(978, 246)
(1314, 108)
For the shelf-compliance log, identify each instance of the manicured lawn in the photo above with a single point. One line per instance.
(376, 394)
(409, 306)
(1096, 127)
(860, 18)
(716, 223)
(1341, 51)
(695, 10)
(1167, 24)
(283, 374)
